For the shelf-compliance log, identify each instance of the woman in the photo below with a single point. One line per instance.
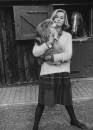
(54, 82)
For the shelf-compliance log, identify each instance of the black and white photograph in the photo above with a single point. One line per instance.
(46, 65)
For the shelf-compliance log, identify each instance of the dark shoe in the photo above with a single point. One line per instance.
(79, 124)
(35, 128)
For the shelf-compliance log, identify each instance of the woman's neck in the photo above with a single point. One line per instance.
(58, 29)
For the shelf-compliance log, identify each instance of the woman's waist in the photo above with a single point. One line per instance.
(57, 75)
(48, 69)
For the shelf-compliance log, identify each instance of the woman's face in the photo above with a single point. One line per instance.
(59, 19)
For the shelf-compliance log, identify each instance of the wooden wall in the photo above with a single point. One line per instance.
(82, 58)
(17, 63)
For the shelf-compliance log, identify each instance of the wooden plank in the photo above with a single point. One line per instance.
(23, 94)
(33, 96)
(17, 95)
(36, 92)
(28, 99)
(26, 64)
(11, 49)
(2, 71)
(5, 49)
(90, 22)
(6, 96)
(12, 95)
(2, 93)
(46, 1)
(20, 63)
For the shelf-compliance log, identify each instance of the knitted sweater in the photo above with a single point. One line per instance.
(65, 41)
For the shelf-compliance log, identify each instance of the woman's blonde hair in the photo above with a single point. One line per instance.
(66, 24)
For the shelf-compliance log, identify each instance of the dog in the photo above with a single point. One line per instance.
(44, 31)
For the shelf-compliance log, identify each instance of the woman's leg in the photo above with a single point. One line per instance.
(74, 121)
(38, 114)
(69, 108)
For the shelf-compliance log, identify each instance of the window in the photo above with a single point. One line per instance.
(84, 9)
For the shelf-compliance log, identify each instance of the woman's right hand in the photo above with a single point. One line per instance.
(51, 40)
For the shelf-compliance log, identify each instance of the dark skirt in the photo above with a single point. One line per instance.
(55, 89)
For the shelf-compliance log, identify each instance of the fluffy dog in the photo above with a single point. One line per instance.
(45, 30)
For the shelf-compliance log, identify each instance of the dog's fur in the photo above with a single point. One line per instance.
(44, 31)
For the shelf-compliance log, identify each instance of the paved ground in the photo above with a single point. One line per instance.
(18, 103)
(21, 116)
(82, 89)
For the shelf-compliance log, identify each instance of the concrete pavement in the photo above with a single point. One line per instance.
(82, 89)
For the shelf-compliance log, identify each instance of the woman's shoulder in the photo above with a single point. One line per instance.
(67, 33)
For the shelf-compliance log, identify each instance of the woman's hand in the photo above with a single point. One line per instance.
(48, 58)
(51, 58)
(51, 40)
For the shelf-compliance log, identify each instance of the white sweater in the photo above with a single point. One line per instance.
(65, 42)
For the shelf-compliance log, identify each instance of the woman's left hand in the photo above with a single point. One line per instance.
(48, 58)
(51, 40)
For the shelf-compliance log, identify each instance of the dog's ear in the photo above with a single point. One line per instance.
(47, 23)
(44, 24)
(39, 30)
(43, 29)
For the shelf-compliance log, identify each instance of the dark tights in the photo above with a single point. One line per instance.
(38, 114)
(71, 113)
(70, 110)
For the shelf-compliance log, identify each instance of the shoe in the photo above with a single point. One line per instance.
(79, 124)
(35, 128)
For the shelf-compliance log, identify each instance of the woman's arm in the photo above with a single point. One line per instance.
(39, 50)
(67, 54)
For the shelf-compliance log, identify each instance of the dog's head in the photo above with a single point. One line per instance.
(45, 28)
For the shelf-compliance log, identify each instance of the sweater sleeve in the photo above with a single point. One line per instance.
(67, 54)
(39, 50)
